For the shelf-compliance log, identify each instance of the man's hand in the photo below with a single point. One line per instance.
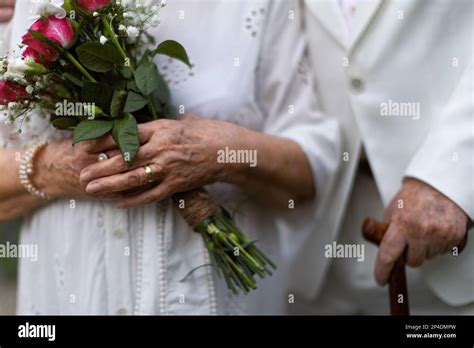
(6, 10)
(422, 220)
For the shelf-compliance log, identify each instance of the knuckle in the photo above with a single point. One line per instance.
(424, 227)
(145, 152)
(134, 179)
(121, 164)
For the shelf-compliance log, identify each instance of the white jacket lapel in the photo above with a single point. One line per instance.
(365, 12)
(329, 15)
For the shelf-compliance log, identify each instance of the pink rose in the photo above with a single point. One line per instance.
(11, 92)
(55, 29)
(93, 5)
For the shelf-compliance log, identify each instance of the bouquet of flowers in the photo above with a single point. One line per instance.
(92, 60)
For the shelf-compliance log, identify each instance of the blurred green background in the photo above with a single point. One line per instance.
(9, 231)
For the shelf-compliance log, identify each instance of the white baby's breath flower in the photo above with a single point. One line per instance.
(103, 39)
(132, 33)
(13, 106)
(95, 14)
(29, 89)
(154, 21)
(122, 27)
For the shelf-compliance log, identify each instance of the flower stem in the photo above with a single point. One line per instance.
(108, 29)
(113, 37)
(79, 66)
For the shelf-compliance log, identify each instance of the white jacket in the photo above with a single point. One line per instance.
(411, 55)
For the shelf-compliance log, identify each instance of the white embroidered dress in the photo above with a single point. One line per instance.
(96, 259)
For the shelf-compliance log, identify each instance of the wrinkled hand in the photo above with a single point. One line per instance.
(181, 154)
(57, 170)
(6, 10)
(428, 224)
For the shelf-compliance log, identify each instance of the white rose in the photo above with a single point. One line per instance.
(16, 69)
(46, 8)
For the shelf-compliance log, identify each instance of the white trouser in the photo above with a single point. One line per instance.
(350, 287)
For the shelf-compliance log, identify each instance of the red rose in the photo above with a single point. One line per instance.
(55, 29)
(93, 5)
(33, 55)
(11, 92)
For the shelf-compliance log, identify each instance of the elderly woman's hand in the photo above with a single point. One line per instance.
(6, 10)
(57, 170)
(182, 155)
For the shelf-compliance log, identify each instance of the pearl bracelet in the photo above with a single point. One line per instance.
(26, 170)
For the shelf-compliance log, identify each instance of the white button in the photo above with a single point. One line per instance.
(357, 84)
(122, 311)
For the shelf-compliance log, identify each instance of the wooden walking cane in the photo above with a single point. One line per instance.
(374, 231)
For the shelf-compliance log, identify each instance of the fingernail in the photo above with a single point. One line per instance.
(85, 176)
(93, 187)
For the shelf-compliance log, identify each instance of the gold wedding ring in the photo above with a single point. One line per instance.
(149, 174)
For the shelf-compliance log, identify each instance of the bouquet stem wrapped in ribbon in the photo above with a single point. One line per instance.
(95, 54)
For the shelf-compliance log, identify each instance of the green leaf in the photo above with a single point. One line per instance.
(174, 50)
(73, 79)
(113, 79)
(97, 93)
(64, 122)
(39, 36)
(145, 58)
(91, 129)
(98, 57)
(132, 85)
(126, 72)
(162, 93)
(169, 111)
(62, 91)
(125, 134)
(147, 78)
(117, 103)
(134, 102)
